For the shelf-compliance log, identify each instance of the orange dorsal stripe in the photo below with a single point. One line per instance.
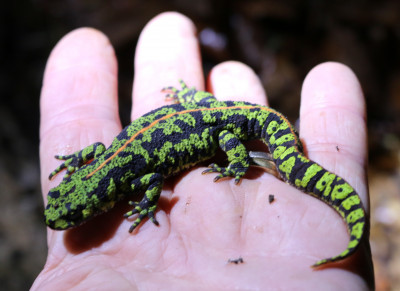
(133, 137)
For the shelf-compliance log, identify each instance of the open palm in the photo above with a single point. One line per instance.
(203, 225)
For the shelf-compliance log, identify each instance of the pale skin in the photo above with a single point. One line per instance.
(202, 224)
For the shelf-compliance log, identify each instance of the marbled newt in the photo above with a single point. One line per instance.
(175, 137)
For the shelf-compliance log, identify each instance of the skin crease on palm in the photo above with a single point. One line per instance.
(202, 224)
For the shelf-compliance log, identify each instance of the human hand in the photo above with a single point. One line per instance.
(202, 224)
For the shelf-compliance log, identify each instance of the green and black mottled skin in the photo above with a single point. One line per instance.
(175, 137)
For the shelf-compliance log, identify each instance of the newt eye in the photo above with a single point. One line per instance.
(75, 216)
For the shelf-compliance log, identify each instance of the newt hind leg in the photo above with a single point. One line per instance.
(238, 158)
(187, 94)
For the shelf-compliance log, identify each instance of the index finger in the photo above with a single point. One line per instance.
(78, 102)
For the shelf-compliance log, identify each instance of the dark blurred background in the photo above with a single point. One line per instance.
(280, 40)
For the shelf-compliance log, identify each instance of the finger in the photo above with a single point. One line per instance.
(237, 82)
(78, 99)
(167, 51)
(333, 123)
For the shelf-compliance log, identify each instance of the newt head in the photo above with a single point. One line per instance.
(66, 207)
